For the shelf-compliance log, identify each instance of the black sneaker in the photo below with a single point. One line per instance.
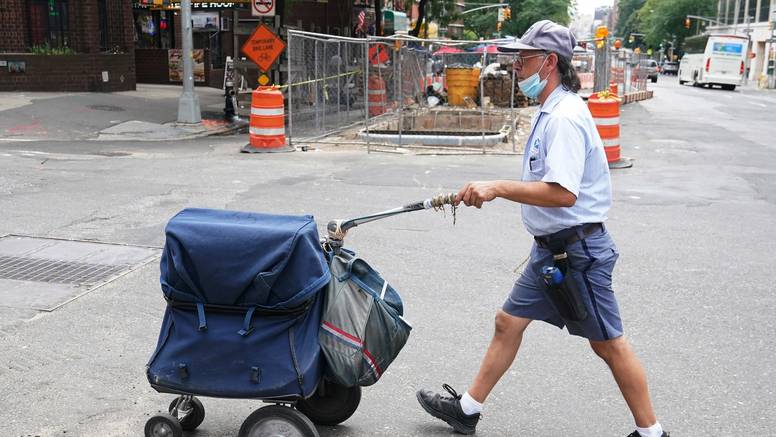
(636, 434)
(448, 409)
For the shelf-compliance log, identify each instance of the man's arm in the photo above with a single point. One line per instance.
(547, 194)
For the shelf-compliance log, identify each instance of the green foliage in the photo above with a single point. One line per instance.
(440, 11)
(470, 35)
(481, 23)
(663, 20)
(629, 19)
(527, 12)
(45, 49)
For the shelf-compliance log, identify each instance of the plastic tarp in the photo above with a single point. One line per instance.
(242, 259)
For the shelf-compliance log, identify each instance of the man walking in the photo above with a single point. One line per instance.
(565, 195)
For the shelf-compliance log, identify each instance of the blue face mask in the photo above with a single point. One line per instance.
(533, 85)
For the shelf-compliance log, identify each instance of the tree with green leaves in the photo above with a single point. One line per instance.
(441, 11)
(527, 12)
(663, 20)
(482, 23)
(628, 21)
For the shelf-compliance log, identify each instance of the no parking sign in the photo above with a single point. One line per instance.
(263, 8)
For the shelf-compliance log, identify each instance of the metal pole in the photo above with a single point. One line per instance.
(290, 90)
(317, 91)
(748, 49)
(512, 108)
(366, 93)
(339, 79)
(401, 96)
(188, 103)
(324, 86)
(347, 83)
(482, 101)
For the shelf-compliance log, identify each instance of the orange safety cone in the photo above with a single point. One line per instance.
(605, 108)
(267, 131)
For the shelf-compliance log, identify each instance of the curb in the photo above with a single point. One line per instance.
(231, 128)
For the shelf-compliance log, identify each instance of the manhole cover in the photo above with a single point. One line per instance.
(109, 108)
(44, 274)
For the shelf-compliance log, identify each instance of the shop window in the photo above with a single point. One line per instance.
(731, 12)
(741, 11)
(764, 9)
(154, 29)
(48, 23)
(752, 11)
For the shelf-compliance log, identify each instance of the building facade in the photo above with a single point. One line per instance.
(66, 45)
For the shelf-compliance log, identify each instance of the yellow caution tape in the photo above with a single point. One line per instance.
(307, 82)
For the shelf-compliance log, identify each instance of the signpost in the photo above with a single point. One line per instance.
(263, 8)
(263, 47)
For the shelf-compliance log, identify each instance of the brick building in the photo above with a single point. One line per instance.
(94, 39)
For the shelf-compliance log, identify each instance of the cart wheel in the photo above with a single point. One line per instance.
(163, 425)
(277, 421)
(194, 418)
(331, 403)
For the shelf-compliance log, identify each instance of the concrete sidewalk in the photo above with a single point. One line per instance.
(147, 114)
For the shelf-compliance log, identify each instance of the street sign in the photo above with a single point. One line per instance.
(263, 8)
(263, 79)
(263, 47)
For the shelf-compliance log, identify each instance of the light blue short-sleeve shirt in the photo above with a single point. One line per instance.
(565, 148)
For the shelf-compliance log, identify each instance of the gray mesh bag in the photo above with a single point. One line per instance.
(362, 329)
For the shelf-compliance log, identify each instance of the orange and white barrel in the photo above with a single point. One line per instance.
(605, 108)
(267, 126)
(377, 98)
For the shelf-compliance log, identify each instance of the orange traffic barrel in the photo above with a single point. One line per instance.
(377, 97)
(605, 108)
(613, 88)
(267, 131)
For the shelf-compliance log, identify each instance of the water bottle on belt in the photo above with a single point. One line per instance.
(552, 275)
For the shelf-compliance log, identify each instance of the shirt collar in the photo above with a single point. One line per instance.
(553, 99)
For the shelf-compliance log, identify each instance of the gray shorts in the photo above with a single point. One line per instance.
(592, 261)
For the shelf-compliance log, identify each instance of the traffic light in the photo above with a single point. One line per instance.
(498, 26)
(507, 13)
(687, 23)
(617, 43)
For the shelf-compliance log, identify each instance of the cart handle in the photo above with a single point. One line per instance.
(338, 228)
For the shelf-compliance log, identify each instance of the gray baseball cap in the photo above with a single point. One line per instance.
(544, 35)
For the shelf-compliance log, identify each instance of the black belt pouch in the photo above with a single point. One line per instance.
(565, 296)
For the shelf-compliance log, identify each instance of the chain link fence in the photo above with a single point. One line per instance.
(604, 66)
(326, 85)
(336, 83)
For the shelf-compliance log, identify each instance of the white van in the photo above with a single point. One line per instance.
(713, 60)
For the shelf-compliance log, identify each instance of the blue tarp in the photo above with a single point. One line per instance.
(242, 259)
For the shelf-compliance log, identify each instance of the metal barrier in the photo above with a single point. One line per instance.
(336, 83)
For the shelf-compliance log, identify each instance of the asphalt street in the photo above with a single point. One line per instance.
(693, 219)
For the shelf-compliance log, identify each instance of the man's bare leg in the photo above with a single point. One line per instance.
(501, 353)
(630, 377)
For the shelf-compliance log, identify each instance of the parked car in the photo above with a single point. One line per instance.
(650, 65)
(670, 68)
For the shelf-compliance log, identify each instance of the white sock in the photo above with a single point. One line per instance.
(469, 405)
(653, 431)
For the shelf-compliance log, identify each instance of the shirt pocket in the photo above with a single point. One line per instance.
(536, 165)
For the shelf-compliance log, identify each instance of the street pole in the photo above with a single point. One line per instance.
(747, 62)
(188, 103)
